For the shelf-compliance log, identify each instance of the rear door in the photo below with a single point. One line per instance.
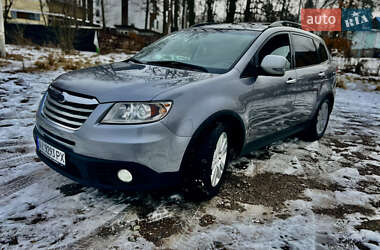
(327, 70)
(310, 72)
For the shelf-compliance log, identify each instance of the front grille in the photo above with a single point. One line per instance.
(70, 113)
(56, 137)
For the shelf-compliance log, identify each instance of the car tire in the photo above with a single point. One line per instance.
(207, 164)
(317, 127)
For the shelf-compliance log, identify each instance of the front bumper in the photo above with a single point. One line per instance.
(152, 145)
(102, 173)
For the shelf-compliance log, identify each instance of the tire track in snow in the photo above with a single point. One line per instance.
(15, 151)
(8, 143)
(22, 182)
(87, 241)
(18, 160)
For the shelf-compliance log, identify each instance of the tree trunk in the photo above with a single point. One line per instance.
(176, 15)
(183, 14)
(247, 12)
(146, 14)
(103, 16)
(154, 13)
(42, 12)
(7, 8)
(2, 36)
(84, 10)
(90, 11)
(74, 7)
(210, 11)
(190, 6)
(165, 23)
(283, 10)
(124, 12)
(170, 15)
(231, 10)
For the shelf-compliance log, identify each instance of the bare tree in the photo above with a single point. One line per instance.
(183, 21)
(309, 4)
(154, 14)
(231, 11)
(170, 15)
(90, 11)
(63, 27)
(175, 15)
(146, 14)
(42, 5)
(2, 36)
(124, 12)
(210, 10)
(247, 11)
(191, 12)
(269, 13)
(164, 16)
(84, 12)
(103, 15)
(7, 8)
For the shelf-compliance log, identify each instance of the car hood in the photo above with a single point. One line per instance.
(124, 81)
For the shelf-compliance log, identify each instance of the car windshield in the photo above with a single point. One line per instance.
(209, 50)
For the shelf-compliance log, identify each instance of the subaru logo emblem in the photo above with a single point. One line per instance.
(56, 95)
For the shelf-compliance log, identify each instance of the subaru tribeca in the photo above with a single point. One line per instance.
(179, 110)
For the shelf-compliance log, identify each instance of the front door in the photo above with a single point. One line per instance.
(269, 101)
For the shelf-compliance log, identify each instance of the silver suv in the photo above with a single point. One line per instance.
(182, 108)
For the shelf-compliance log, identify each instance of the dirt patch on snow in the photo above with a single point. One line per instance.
(369, 169)
(71, 189)
(266, 189)
(369, 187)
(156, 231)
(109, 230)
(207, 220)
(230, 204)
(341, 210)
(373, 225)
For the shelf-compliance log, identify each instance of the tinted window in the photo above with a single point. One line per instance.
(305, 51)
(278, 45)
(323, 56)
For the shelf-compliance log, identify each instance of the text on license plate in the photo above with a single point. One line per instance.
(51, 152)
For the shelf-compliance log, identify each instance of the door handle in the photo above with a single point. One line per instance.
(291, 81)
(322, 74)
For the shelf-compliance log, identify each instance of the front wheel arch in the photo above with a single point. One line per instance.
(236, 133)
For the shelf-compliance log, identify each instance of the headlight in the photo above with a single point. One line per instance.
(137, 112)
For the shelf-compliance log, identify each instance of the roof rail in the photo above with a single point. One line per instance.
(285, 23)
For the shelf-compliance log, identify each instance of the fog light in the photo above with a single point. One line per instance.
(124, 175)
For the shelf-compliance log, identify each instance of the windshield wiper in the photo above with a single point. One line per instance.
(176, 64)
(134, 60)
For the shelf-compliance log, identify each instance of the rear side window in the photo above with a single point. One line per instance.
(322, 52)
(305, 51)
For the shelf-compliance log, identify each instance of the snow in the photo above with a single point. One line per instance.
(36, 212)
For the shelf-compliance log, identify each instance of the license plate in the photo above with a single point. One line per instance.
(51, 152)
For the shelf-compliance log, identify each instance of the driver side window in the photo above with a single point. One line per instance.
(277, 45)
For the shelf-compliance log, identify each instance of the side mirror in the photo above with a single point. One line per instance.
(274, 65)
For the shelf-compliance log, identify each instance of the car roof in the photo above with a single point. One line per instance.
(234, 26)
(261, 27)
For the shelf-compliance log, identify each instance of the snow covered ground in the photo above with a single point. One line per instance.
(291, 195)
